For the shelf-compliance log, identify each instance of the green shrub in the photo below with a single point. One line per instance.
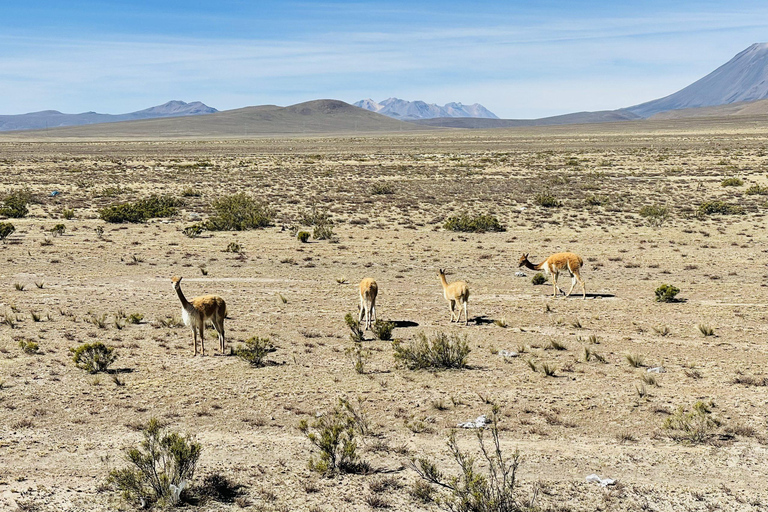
(719, 208)
(93, 357)
(359, 356)
(135, 318)
(732, 182)
(439, 353)
(194, 230)
(382, 188)
(666, 293)
(6, 229)
(58, 229)
(756, 190)
(694, 426)
(597, 200)
(491, 487)
(383, 330)
(68, 214)
(655, 214)
(473, 224)
(255, 350)
(239, 212)
(315, 217)
(303, 236)
(29, 347)
(323, 232)
(142, 210)
(15, 204)
(547, 200)
(159, 469)
(334, 435)
(538, 279)
(234, 247)
(357, 335)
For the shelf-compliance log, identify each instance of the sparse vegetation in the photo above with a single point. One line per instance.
(357, 335)
(93, 357)
(382, 188)
(492, 487)
(359, 356)
(6, 230)
(383, 329)
(635, 360)
(334, 434)
(719, 208)
(756, 189)
(29, 347)
(538, 279)
(15, 204)
(159, 470)
(440, 352)
(732, 182)
(692, 426)
(152, 207)
(547, 201)
(656, 215)
(667, 293)
(255, 350)
(706, 330)
(239, 212)
(473, 223)
(303, 236)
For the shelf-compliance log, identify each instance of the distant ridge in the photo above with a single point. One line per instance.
(744, 78)
(605, 116)
(54, 119)
(316, 117)
(411, 110)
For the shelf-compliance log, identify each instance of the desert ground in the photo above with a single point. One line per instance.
(62, 429)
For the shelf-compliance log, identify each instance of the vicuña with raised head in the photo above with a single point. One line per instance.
(457, 291)
(368, 291)
(560, 262)
(201, 309)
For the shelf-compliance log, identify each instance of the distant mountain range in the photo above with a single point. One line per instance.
(410, 110)
(54, 119)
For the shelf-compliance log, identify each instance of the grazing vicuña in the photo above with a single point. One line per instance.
(198, 311)
(552, 266)
(457, 291)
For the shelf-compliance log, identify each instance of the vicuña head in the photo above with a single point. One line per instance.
(200, 309)
(560, 262)
(457, 291)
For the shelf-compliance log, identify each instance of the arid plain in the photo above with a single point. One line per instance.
(62, 429)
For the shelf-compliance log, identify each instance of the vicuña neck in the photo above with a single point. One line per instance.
(443, 280)
(528, 264)
(183, 299)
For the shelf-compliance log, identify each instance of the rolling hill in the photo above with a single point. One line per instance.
(312, 117)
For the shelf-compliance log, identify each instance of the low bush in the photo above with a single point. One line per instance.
(93, 357)
(58, 229)
(441, 352)
(538, 279)
(547, 201)
(255, 350)
(694, 426)
(655, 214)
(473, 223)
(732, 182)
(15, 204)
(667, 293)
(756, 190)
(357, 335)
(334, 435)
(383, 330)
(489, 487)
(6, 229)
(323, 232)
(160, 469)
(142, 210)
(239, 212)
(382, 188)
(194, 230)
(303, 236)
(719, 208)
(29, 347)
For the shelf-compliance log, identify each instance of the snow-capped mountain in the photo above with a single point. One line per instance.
(410, 110)
(743, 78)
(53, 118)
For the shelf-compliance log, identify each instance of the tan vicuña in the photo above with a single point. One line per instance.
(457, 291)
(560, 262)
(368, 291)
(200, 309)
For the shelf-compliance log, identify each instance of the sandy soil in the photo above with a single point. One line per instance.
(62, 430)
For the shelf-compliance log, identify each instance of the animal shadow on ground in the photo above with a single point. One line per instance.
(404, 323)
(116, 371)
(483, 320)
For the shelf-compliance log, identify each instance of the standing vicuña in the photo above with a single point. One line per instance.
(552, 266)
(201, 309)
(368, 291)
(457, 291)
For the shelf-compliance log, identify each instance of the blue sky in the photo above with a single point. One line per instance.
(518, 59)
